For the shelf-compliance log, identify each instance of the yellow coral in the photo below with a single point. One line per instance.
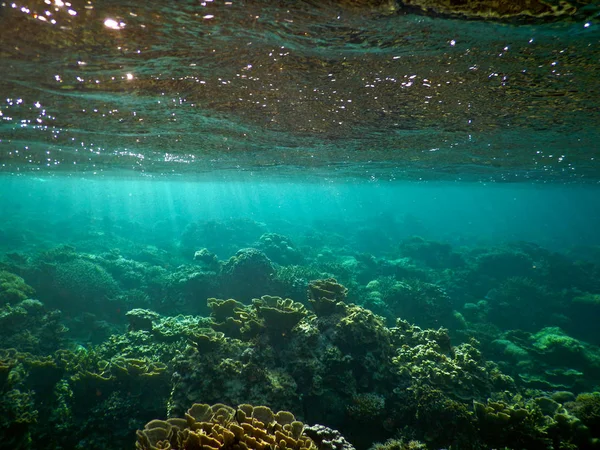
(220, 427)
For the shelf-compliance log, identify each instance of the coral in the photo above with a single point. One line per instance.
(131, 274)
(522, 303)
(221, 237)
(279, 315)
(273, 316)
(327, 439)
(436, 419)
(419, 302)
(280, 249)
(504, 263)
(13, 288)
(227, 316)
(433, 254)
(77, 285)
(586, 408)
(360, 331)
(515, 421)
(221, 310)
(366, 407)
(187, 288)
(511, 351)
(110, 372)
(426, 356)
(561, 350)
(17, 416)
(208, 341)
(327, 297)
(29, 327)
(247, 274)
(549, 359)
(399, 444)
(207, 259)
(222, 427)
(178, 328)
(292, 281)
(141, 319)
(513, 426)
(587, 298)
(25, 382)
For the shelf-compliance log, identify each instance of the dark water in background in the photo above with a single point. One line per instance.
(443, 162)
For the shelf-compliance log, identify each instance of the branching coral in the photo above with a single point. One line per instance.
(426, 356)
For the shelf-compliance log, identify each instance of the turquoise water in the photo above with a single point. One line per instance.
(380, 217)
(377, 214)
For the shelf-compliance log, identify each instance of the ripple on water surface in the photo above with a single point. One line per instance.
(395, 90)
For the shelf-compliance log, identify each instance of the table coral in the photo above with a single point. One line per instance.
(279, 315)
(327, 297)
(222, 427)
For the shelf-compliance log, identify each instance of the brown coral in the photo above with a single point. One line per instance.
(279, 315)
(222, 427)
(327, 297)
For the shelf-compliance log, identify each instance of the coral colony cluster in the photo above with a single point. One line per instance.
(425, 347)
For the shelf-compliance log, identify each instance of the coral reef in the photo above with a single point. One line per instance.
(371, 361)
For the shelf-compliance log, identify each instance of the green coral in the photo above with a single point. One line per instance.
(532, 423)
(279, 315)
(587, 298)
(29, 327)
(513, 426)
(399, 444)
(561, 349)
(366, 408)
(586, 408)
(13, 288)
(247, 274)
(141, 319)
(270, 315)
(426, 356)
(79, 284)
